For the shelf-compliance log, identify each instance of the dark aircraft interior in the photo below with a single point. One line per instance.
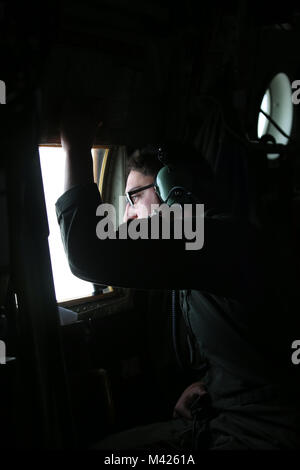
(223, 76)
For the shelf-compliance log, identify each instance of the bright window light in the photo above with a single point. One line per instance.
(67, 286)
(263, 122)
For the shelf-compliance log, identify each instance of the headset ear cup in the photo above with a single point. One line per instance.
(174, 185)
(156, 189)
(164, 182)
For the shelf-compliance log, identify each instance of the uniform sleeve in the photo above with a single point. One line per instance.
(225, 265)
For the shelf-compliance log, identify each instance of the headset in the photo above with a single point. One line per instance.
(174, 185)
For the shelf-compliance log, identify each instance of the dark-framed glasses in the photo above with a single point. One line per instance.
(131, 193)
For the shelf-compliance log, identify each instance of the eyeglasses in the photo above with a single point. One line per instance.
(129, 194)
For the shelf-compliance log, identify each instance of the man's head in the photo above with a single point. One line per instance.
(143, 166)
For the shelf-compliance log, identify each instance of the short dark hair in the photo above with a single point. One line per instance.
(145, 160)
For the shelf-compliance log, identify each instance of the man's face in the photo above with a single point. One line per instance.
(142, 200)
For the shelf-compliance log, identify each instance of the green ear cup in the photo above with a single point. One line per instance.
(174, 186)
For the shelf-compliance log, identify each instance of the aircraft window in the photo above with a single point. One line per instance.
(263, 122)
(52, 159)
(276, 103)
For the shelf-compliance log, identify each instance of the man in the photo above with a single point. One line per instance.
(231, 298)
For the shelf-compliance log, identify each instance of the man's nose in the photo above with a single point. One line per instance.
(130, 213)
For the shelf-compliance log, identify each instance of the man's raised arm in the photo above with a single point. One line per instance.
(78, 128)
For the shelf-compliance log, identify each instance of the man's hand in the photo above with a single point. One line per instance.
(183, 406)
(79, 122)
